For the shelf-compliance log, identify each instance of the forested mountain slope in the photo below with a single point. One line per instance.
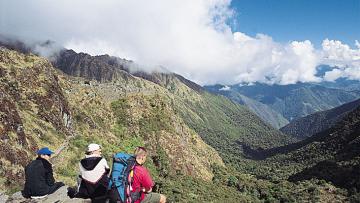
(319, 121)
(341, 147)
(331, 155)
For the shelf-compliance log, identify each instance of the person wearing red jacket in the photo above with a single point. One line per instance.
(142, 181)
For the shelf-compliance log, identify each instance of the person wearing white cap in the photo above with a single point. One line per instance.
(94, 172)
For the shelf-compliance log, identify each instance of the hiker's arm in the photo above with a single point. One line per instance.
(50, 180)
(147, 182)
(147, 190)
(107, 168)
(106, 164)
(49, 176)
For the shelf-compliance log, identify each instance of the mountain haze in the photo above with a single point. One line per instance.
(289, 101)
(298, 100)
(266, 113)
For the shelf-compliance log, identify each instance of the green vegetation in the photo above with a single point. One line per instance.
(196, 140)
(120, 109)
(283, 191)
(262, 110)
(226, 126)
(188, 189)
(178, 187)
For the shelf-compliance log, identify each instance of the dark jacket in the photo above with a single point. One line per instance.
(92, 190)
(39, 178)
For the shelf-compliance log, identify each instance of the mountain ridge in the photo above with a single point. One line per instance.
(309, 125)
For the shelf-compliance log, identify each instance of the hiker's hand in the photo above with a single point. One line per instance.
(146, 191)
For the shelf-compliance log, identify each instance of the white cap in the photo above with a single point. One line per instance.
(92, 147)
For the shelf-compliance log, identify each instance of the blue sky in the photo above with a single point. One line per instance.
(287, 20)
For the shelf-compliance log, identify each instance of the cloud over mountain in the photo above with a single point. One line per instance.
(335, 53)
(192, 38)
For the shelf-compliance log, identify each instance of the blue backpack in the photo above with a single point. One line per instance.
(121, 179)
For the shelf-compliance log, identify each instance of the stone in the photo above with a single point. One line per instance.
(59, 196)
(3, 197)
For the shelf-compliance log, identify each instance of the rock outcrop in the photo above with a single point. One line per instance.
(59, 196)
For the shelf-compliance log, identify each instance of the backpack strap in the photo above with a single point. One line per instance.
(119, 160)
(133, 196)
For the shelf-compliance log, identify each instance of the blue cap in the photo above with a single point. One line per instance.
(45, 150)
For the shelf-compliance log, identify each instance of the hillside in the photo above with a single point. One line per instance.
(266, 114)
(331, 155)
(218, 121)
(340, 146)
(319, 121)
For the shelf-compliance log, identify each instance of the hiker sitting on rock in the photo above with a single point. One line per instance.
(94, 172)
(39, 179)
(142, 181)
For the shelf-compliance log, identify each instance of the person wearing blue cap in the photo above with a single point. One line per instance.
(39, 179)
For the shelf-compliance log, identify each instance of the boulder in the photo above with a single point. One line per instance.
(60, 196)
(3, 197)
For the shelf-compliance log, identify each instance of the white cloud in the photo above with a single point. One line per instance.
(335, 53)
(241, 37)
(268, 61)
(225, 88)
(189, 37)
(357, 44)
(333, 75)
